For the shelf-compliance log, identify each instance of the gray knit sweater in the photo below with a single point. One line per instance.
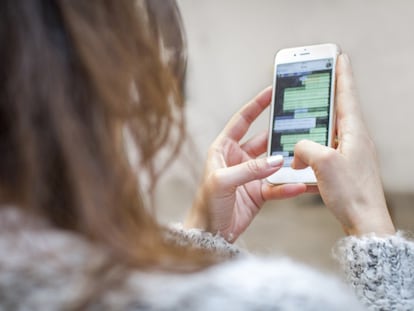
(381, 270)
(46, 269)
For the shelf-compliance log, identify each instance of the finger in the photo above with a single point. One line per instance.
(312, 189)
(346, 98)
(307, 153)
(270, 192)
(257, 145)
(237, 175)
(298, 163)
(238, 125)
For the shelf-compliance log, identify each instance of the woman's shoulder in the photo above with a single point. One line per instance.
(41, 268)
(46, 269)
(248, 283)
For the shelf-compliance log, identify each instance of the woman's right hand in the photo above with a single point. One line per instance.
(348, 177)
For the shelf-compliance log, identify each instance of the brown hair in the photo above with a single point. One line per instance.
(77, 77)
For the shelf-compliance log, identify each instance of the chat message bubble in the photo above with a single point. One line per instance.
(284, 124)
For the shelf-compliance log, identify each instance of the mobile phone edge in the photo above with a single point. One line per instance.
(332, 113)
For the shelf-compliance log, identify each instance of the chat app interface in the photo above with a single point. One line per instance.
(301, 108)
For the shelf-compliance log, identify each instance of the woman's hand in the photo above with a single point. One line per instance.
(348, 177)
(232, 190)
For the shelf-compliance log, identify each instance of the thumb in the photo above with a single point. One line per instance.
(308, 153)
(245, 172)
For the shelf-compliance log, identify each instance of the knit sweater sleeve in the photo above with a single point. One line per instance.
(381, 270)
(175, 233)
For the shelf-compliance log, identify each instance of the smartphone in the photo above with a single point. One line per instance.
(302, 105)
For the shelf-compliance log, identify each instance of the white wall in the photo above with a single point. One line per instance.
(231, 44)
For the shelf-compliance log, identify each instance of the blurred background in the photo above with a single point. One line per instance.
(231, 46)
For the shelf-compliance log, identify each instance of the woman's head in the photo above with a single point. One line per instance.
(75, 77)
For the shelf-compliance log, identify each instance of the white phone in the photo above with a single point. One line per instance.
(302, 105)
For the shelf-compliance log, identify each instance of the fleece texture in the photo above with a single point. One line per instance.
(44, 269)
(380, 269)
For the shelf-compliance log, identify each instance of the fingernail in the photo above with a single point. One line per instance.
(275, 160)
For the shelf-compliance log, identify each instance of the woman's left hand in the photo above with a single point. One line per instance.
(232, 190)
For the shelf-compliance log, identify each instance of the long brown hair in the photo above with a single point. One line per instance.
(76, 77)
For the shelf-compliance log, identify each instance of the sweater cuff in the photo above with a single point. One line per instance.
(197, 238)
(381, 269)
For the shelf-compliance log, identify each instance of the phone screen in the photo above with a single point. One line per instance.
(301, 105)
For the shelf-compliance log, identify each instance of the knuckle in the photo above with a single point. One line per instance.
(253, 167)
(327, 159)
(215, 180)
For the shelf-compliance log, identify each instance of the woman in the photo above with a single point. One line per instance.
(80, 79)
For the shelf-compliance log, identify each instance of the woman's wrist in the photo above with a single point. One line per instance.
(371, 221)
(194, 220)
(383, 228)
(195, 217)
